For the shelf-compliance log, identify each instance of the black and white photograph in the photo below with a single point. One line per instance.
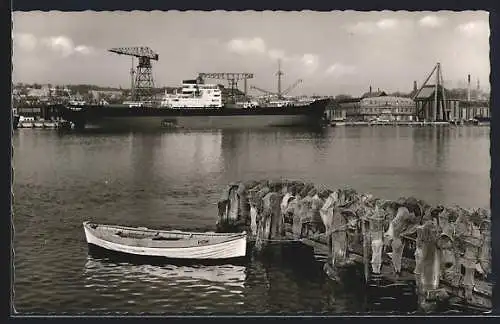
(251, 163)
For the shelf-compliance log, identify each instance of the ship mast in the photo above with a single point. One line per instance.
(279, 73)
(132, 72)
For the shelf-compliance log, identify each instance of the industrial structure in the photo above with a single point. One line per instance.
(279, 94)
(431, 99)
(143, 85)
(435, 103)
(232, 77)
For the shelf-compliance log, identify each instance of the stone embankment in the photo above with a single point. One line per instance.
(446, 249)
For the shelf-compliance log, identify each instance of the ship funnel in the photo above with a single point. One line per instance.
(478, 90)
(468, 87)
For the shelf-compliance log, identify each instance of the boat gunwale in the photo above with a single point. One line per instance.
(87, 224)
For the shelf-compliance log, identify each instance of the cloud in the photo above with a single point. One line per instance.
(339, 69)
(245, 46)
(387, 23)
(25, 41)
(83, 49)
(370, 27)
(431, 21)
(361, 27)
(257, 46)
(277, 54)
(310, 62)
(65, 47)
(474, 28)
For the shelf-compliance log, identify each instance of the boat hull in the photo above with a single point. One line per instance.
(15, 121)
(123, 117)
(234, 247)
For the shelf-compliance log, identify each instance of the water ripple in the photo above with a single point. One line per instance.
(174, 179)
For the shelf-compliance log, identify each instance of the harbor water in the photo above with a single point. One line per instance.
(173, 179)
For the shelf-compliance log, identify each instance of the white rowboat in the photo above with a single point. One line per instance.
(168, 244)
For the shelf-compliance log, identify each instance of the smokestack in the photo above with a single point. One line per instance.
(468, 87)
(478, 90)
(415, 86)
(370, 89)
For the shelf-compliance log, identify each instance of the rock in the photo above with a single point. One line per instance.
(312, 192)
(324, 193)
(428, 264)
(272, 202)
(306, 189)
(253, 220)
(376, 261)
(339, 238)
(447, 238)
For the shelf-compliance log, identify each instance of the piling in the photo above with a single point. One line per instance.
(445, 250)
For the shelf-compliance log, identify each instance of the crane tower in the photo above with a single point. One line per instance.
(143, 85)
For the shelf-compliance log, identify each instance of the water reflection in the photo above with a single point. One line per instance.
(231, 275)
(165, 288)
(173, 179)
(250, 154)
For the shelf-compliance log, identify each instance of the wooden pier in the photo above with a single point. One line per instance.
(446, 251)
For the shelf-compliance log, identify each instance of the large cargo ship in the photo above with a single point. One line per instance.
(197, 105)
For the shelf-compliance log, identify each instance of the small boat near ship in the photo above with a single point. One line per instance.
(167, 244)
(15, 118)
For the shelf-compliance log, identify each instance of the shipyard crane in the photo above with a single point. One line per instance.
(143, 85)
(280, 94)
(290, 88)
(231, 77)
(283, 93)
(439, 104)
(262, 90)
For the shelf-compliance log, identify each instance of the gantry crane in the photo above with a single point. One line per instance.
(142, 87)
(231, 77)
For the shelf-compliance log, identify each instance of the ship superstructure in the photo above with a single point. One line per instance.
(194, 94)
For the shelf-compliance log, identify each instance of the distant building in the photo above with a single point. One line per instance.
(347, 109)
(466, 110)
(334, 110)
(38, 93)
(112, 94)
(373, 105)
(449, 109)
(371, 94)
(387, 107)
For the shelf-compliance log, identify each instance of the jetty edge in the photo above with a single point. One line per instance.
(445, 249)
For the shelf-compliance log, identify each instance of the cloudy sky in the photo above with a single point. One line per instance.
(335, 52)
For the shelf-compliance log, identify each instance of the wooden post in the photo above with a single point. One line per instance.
(365, 250)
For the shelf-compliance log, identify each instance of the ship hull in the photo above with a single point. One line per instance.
(156, 118)
(152, 122)
(15, 121)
